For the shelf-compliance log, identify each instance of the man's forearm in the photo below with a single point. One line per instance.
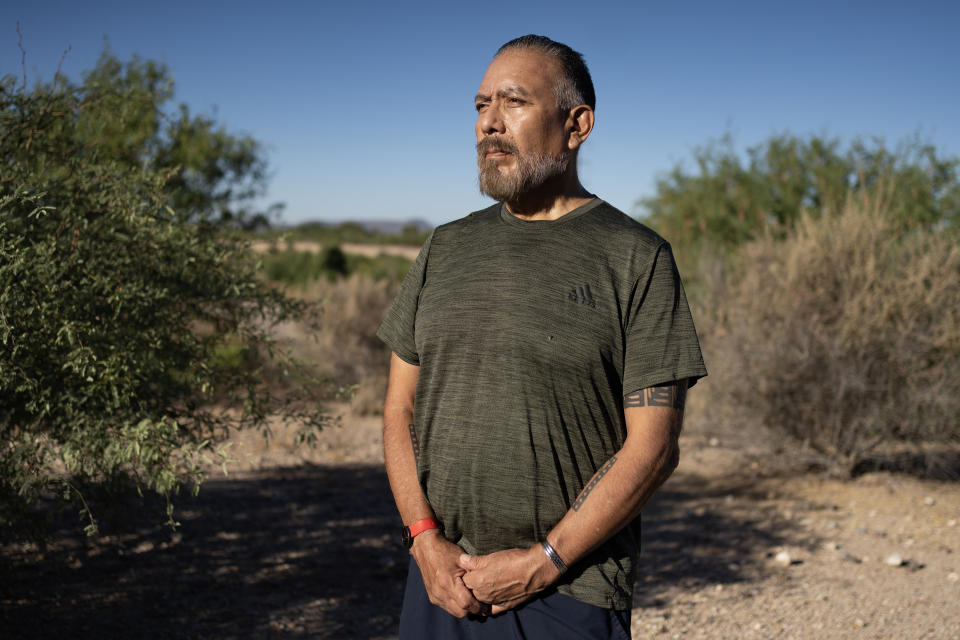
(612, 498)
(400, 451)
(615, 495)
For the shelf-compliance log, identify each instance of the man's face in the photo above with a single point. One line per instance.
(521, 135)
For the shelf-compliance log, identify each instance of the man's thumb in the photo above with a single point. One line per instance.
(467, 561)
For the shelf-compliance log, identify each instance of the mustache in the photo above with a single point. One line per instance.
(495, 143)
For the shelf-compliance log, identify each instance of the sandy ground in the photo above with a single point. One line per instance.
(297, 544)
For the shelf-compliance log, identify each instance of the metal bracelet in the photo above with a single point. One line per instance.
(554, 558)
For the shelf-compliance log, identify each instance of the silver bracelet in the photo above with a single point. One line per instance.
(554, 558)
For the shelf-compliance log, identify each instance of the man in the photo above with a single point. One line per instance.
(542, 349)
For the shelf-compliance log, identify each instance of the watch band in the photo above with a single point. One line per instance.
(420, 526)
(416, 528)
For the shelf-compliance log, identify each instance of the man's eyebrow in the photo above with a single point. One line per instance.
(513, 91)
(503, 93)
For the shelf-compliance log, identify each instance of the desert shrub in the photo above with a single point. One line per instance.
(130, 332)
(844, 334)
(730, 198)
(412, 234)
(344, 347)
(301, 268)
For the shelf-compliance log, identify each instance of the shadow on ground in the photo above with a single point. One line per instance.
(699, 532)
(286, 553)
(312, 552)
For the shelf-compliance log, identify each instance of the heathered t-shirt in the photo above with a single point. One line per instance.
(528, 334)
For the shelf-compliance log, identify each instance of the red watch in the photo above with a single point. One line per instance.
(415, 529)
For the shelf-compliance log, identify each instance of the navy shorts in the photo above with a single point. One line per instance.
(553, 616)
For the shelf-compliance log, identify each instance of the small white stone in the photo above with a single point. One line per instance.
(859, 623)
(952, 522)
(929, 501)
(894, 560)
(714, 442)
(831, 546)
(953, 576)
(783, 558)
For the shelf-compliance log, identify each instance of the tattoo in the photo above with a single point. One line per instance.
(414, 442)
(593, 483)
(673, 394)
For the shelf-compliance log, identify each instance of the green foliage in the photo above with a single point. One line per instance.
(303, 267)
(333, 235)
(133, 334)
(730, 199)
(214, 175)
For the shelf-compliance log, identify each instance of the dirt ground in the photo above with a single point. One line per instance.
(296, 544)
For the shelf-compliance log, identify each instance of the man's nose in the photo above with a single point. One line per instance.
(490, 121)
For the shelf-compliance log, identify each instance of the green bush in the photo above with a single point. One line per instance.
(300, 268)
(344, 232)
(132, 334)
(730, 199)
(844, 333)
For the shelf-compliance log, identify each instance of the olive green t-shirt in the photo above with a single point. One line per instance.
(528, 334)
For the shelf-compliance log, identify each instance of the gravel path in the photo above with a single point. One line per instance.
(303, 545)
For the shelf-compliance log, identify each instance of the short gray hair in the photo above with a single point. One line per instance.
(575, 86)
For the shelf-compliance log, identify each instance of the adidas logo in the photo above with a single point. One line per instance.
(583, 296)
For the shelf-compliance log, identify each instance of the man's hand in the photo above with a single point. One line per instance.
(437, 558)
(508, 578)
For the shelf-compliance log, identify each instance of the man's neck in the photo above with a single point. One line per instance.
(549, 202)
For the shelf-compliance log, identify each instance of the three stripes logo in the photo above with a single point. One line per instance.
(582, 295)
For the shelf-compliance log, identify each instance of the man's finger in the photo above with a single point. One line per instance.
(466, 599)
(468, 562)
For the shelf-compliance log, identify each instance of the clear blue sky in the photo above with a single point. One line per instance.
(366, 108)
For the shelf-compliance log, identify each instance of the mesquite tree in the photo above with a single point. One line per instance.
(134, 328)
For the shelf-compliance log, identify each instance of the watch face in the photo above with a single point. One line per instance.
(405, 537)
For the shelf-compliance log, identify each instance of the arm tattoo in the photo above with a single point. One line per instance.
(593, 483)
(414, 442)
(673, 394)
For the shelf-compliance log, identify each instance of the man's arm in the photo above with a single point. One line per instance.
(435, 555)
(609, 501)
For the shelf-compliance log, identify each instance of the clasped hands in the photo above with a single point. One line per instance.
(481, 585)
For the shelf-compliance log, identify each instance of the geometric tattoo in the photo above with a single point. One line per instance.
(593, 483)
(415, 443)
(672, 395)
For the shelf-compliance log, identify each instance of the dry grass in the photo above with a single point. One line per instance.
(844, 335)
(346, 349)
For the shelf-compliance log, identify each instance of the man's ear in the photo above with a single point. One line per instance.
(579, 125)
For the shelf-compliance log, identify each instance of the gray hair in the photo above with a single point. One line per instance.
(575, 86)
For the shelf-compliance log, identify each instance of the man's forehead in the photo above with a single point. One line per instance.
(520, 70)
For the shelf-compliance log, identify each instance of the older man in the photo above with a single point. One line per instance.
(542, 350)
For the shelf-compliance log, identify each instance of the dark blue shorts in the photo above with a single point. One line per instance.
(550, 617)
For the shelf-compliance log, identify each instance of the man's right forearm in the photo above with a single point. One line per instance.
(400, 451)
(434, 555)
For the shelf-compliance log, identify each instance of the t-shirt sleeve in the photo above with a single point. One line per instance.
(398, 327)
(660, 340)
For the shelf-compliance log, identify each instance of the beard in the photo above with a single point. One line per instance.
(532, 170)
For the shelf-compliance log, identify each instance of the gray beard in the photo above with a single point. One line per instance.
(531, 173)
